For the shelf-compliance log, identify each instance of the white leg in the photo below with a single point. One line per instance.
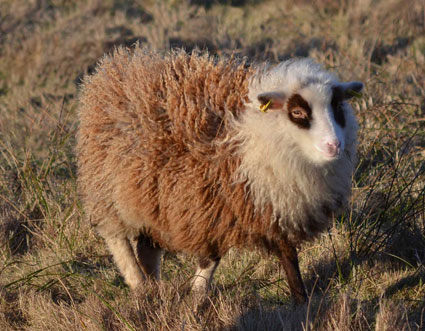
(204, 274)
(126, 261)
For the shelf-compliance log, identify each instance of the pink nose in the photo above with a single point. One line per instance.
(333, 147)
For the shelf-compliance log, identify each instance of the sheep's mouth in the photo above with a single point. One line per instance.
(329, 154)
(332, 155)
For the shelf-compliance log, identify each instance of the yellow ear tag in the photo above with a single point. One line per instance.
(263, 108)
(353, 93)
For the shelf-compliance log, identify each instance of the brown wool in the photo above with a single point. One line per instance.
(150, 155)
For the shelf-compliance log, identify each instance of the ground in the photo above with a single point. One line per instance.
(366, 272)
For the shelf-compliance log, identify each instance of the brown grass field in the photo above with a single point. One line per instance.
(366, 273)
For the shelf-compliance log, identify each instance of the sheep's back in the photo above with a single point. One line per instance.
(171, 103)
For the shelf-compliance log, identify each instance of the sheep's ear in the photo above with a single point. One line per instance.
(351, 89)
(271, 100)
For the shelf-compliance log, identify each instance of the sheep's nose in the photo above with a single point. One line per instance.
(333, 147)
(334, 144)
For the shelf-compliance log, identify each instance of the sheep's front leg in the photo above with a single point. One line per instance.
(148, 255)
(204, 274)
(125, 259)
(289, 261)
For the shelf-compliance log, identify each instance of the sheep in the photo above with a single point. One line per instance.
(195, 154)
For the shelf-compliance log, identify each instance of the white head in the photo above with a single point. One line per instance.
(306, 104)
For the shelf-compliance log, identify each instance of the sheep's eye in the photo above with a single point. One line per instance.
(298, 113)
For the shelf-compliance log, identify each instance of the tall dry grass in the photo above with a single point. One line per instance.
(367, 272)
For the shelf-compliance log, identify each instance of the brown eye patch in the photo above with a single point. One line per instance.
(299, 112)
(263, 99)
(336, 104)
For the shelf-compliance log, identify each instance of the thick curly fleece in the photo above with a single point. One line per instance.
(174, 146)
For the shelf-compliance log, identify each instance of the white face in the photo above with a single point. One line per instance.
(324, 140)
(315, 117)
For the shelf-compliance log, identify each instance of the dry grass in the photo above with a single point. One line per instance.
(366, 273)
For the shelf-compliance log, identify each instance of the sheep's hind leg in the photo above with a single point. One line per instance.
(148, 256)
(204, 274)
(125, 259)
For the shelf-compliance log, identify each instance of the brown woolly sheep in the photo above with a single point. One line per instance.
(194, 154)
